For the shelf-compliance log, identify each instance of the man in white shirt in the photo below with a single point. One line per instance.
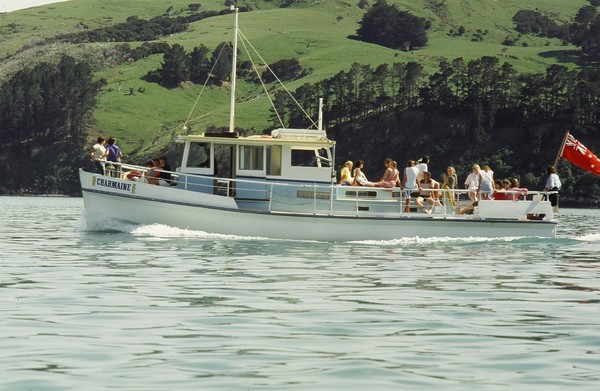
(553, 184)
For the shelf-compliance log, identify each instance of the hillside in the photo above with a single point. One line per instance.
(315, 32)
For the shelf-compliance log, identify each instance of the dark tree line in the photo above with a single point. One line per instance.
(180, 66)
(44, 114)
(484, 88)
(202, 65)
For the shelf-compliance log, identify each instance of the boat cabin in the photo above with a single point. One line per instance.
(287, 155)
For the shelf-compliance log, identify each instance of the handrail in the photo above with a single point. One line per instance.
(286, 196)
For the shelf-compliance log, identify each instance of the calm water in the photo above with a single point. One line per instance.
(158, 308)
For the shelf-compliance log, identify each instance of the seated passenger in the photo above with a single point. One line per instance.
(360, 179)
(390, 176)
(164, 177)
(517, 192)
(346, 174)
(468, 210)
(152, 173)
(428, 192)
(499, 193)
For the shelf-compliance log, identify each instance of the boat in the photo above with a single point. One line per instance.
(283, 186)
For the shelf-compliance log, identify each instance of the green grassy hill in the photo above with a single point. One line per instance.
(315, 32)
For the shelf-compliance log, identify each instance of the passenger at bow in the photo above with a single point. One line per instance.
(98, 154)
(113, 158)
(165, 178)
(152, 172)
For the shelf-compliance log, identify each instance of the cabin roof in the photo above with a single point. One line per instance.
(300, 137)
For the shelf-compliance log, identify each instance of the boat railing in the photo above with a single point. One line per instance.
(320, 198)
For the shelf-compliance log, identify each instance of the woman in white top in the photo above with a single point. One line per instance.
(472, 182)
(98, 154)
(360, 179)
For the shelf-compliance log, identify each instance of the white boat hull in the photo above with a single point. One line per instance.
(106, 201)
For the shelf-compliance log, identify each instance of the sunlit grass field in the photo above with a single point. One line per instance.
(314, 32)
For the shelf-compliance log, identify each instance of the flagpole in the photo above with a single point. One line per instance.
(562, 148)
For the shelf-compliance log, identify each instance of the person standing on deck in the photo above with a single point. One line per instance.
(98, 154)
(422, 166)
(472, 182)
(486, 182)
(450, 183)
(114, 155)
(409, 183)
(553, 184)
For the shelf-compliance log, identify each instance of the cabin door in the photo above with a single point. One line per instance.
(224, 169)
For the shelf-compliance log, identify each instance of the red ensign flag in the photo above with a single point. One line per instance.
(579, 155)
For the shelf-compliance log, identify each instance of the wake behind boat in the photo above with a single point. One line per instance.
(284, 186)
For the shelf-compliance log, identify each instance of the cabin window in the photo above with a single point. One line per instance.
(324, 157)
(320, 195)
(251, 157)
(361, 193)
(304, 158)
(199, 155)
(274, 160)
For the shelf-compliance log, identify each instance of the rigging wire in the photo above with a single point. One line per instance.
(244, 40)
(203, 86)
(278, 80)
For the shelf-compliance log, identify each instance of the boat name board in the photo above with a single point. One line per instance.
(112, 184)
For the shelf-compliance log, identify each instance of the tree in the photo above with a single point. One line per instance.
(590, 41)
(581, 24)
(175, 66)
(44, 112)
(199, 64)
(386, 25)
(287, 69)
(222, 58)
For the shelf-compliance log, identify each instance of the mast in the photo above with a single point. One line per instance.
(562, 148)
(233, 71)
(320, 123)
